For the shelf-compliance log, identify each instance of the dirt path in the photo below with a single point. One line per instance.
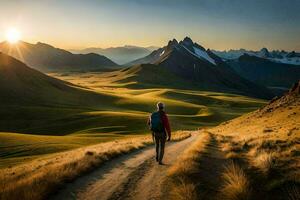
(207, 177)
(133, 176)
(211, 169)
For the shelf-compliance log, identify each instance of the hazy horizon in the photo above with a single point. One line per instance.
(151, 46)
(219, 25)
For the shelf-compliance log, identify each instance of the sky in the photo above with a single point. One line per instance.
(215, 24)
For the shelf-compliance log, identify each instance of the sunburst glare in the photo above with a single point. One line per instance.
(13, 35)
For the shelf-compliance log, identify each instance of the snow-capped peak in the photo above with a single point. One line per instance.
(279, 56)
(203, 54)
(199, 53)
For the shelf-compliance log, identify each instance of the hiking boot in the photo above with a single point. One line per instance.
(160, 163)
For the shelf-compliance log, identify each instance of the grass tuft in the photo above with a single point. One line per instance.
(236, 184)
(265, 161)
(183, 190)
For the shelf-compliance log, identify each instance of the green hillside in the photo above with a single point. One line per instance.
(41, 114)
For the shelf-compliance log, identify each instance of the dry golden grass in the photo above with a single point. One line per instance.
(231, 149)
(232, 155)
(236, 185)
(188, 162)
(267, 144)
(183, 190)
(180, 173)
(265, 161)
(267, 140)
(37, 179)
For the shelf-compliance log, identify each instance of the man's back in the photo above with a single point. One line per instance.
(160, 127)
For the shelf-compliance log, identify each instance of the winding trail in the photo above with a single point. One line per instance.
(132, 176)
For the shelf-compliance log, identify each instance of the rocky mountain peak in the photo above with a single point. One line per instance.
(264, 52)
(293, 54)
(188, 41)
(172, 43)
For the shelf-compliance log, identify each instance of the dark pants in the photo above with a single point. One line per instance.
(160, 140)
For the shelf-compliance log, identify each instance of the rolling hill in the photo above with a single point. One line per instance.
(150, 76)
(31, 99)
(22, 85)
(40, 114)
(48, 58)
(32, 102)
(201, 68)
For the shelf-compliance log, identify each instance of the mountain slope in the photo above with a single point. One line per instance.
(22, 85)
(149, 59)
(151, 76)
(45, 57)
(202, 68)
(32, 102)
(282, 114)
(265, 72)
(264, 145)
(120, 55)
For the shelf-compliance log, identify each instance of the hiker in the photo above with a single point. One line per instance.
(160, 127)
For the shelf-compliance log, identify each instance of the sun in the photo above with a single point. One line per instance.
(13, 35)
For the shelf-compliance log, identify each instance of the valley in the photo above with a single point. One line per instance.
(60, 125)
(114, 110)
(43, 114)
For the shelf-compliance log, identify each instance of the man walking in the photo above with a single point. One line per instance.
(160, 127)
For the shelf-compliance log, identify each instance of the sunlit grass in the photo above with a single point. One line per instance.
(236, 184)
(36, 179)
(181, 173)
(113, 110)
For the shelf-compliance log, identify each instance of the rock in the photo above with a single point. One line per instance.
(295, 89)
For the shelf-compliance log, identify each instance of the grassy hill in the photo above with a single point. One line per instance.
(255, 156)
(41, 114)
(151, 76)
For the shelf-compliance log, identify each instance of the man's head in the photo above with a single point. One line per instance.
(160, 106)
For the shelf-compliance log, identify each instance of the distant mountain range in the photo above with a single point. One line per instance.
(277, 56)
(277, 70)
(45, 57)
(199, 67)
(188, 64)
(120, 55)
(277, 76)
